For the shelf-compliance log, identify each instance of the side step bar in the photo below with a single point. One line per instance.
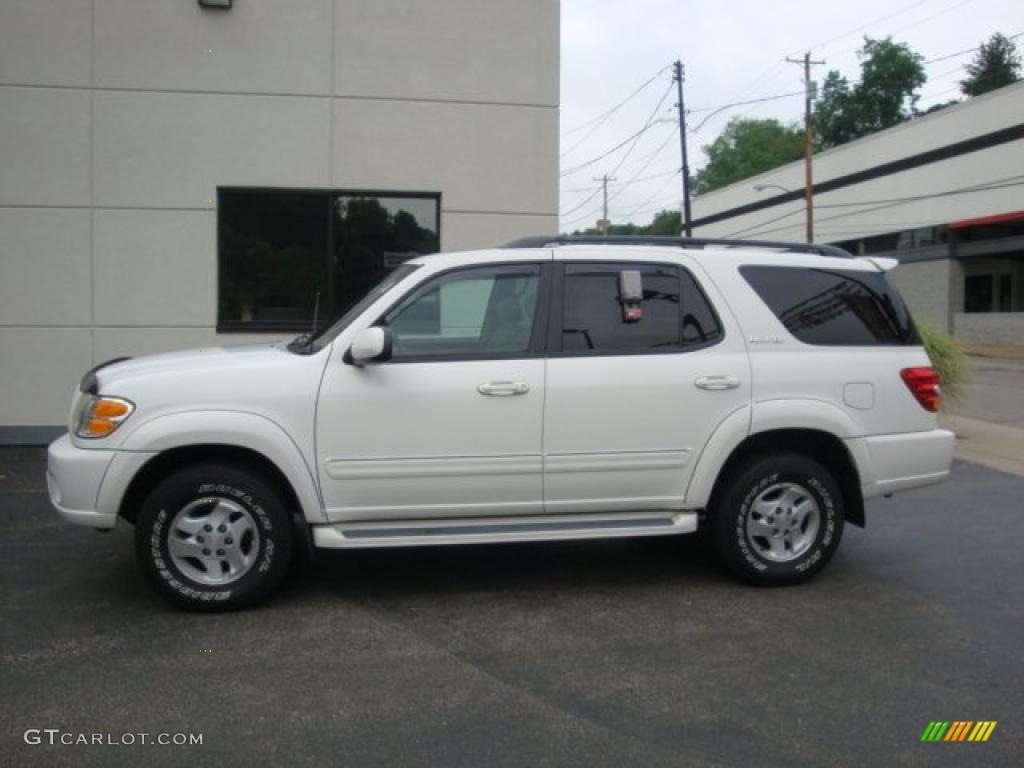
(484, 530)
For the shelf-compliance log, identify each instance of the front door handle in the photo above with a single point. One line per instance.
(503, 388)
(717, 382)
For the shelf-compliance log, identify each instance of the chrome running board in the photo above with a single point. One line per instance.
(485, 530)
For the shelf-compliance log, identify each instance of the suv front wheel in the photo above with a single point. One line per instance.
(779, 519)
(214, 537)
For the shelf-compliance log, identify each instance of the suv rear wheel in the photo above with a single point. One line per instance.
(779, 520)
(214, 537)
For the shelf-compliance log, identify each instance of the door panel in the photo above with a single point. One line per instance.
(632, 402)
(419, 440)
(451, 426)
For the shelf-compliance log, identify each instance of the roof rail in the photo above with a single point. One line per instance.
(541, 241)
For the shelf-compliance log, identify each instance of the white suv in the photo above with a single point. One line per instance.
(557, 388)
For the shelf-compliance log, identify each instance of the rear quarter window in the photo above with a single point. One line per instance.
(834, 307)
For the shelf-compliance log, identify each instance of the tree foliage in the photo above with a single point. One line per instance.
(746, 148)
(997, 63)
(664, 223)
(890, 76)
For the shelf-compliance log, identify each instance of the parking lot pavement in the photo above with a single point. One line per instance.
(611, 653)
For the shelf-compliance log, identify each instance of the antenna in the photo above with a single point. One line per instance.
(316, 313)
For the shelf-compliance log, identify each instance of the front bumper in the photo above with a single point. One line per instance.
(74, 477)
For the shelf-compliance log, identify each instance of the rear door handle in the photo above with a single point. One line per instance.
(503, 388)
(717, 382)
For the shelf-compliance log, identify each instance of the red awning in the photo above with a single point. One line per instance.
(998, 218)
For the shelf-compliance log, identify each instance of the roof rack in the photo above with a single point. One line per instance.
(541, 241)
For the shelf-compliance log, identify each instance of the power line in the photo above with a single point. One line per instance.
(600, 119)
(635, 179)
(651, 122)
(715, 111)
(966, 50)
(862, 27)
(882, 204)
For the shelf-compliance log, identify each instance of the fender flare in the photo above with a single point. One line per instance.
(765, 416)
(238, 429)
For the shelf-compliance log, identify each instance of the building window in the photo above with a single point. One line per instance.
(988, 293)
(279, 249)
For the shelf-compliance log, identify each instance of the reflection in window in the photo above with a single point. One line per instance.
(673, 314)
(480, 312)
(279, 249)
(834, 307)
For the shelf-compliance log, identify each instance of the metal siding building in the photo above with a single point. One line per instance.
(943, 193)
(124, 122)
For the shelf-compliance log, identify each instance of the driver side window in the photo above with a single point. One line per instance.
(483, 312)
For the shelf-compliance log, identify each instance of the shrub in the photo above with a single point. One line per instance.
(949, 360)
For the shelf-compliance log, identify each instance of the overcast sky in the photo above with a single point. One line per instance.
(733, 50)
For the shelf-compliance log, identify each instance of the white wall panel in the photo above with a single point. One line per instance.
(481, 157)
(44, 267)
(44, 146)
(40, 372)
(173, 150)
(464, 50)
(155, 268)
(264, 46)
(45, 42)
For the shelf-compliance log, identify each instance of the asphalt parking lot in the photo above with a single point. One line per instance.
(612, 653)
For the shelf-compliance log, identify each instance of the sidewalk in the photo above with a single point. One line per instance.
(982, 442)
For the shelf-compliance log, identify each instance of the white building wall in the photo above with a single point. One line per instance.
(120, 118)
(861, 210)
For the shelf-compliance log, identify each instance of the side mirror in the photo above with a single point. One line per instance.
(371, 345)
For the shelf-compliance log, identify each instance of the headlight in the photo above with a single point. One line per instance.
(99, 415)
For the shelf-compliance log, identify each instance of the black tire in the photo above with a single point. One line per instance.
(189, 498)
(760, 484)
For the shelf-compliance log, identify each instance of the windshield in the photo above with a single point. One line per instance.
(331, 332)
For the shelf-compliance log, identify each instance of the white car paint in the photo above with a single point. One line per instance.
(603, 442)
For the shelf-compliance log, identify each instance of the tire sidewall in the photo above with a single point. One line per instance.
(185, 487)
(734, 542)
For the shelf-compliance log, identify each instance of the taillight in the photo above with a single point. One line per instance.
(923, 384)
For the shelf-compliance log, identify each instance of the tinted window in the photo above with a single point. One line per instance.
(674, 314)
(278, 249)
(480, 312)
(834, 307)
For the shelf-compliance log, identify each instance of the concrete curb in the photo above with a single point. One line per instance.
(982, 442)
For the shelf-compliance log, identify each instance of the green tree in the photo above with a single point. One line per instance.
(997, 63)
(890, 76)
(746, 148)
(665, 222)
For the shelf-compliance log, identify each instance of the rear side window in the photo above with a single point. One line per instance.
(834, 307)
(673, 314)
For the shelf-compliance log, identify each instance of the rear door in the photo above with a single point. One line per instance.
(634, 389)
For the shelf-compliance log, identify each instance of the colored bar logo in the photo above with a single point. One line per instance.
(958, 730)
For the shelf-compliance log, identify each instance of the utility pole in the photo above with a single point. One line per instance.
(603, 223)
(810, 89)
(678, 76)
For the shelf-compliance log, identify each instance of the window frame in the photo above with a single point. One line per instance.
(542, 312)
(328, 311)
(556, 317)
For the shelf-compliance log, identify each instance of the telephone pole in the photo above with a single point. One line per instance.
(810, 92)
(604, 223)
(678, 76)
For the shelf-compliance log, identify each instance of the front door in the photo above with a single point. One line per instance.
(635, 388)
(451, 426)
